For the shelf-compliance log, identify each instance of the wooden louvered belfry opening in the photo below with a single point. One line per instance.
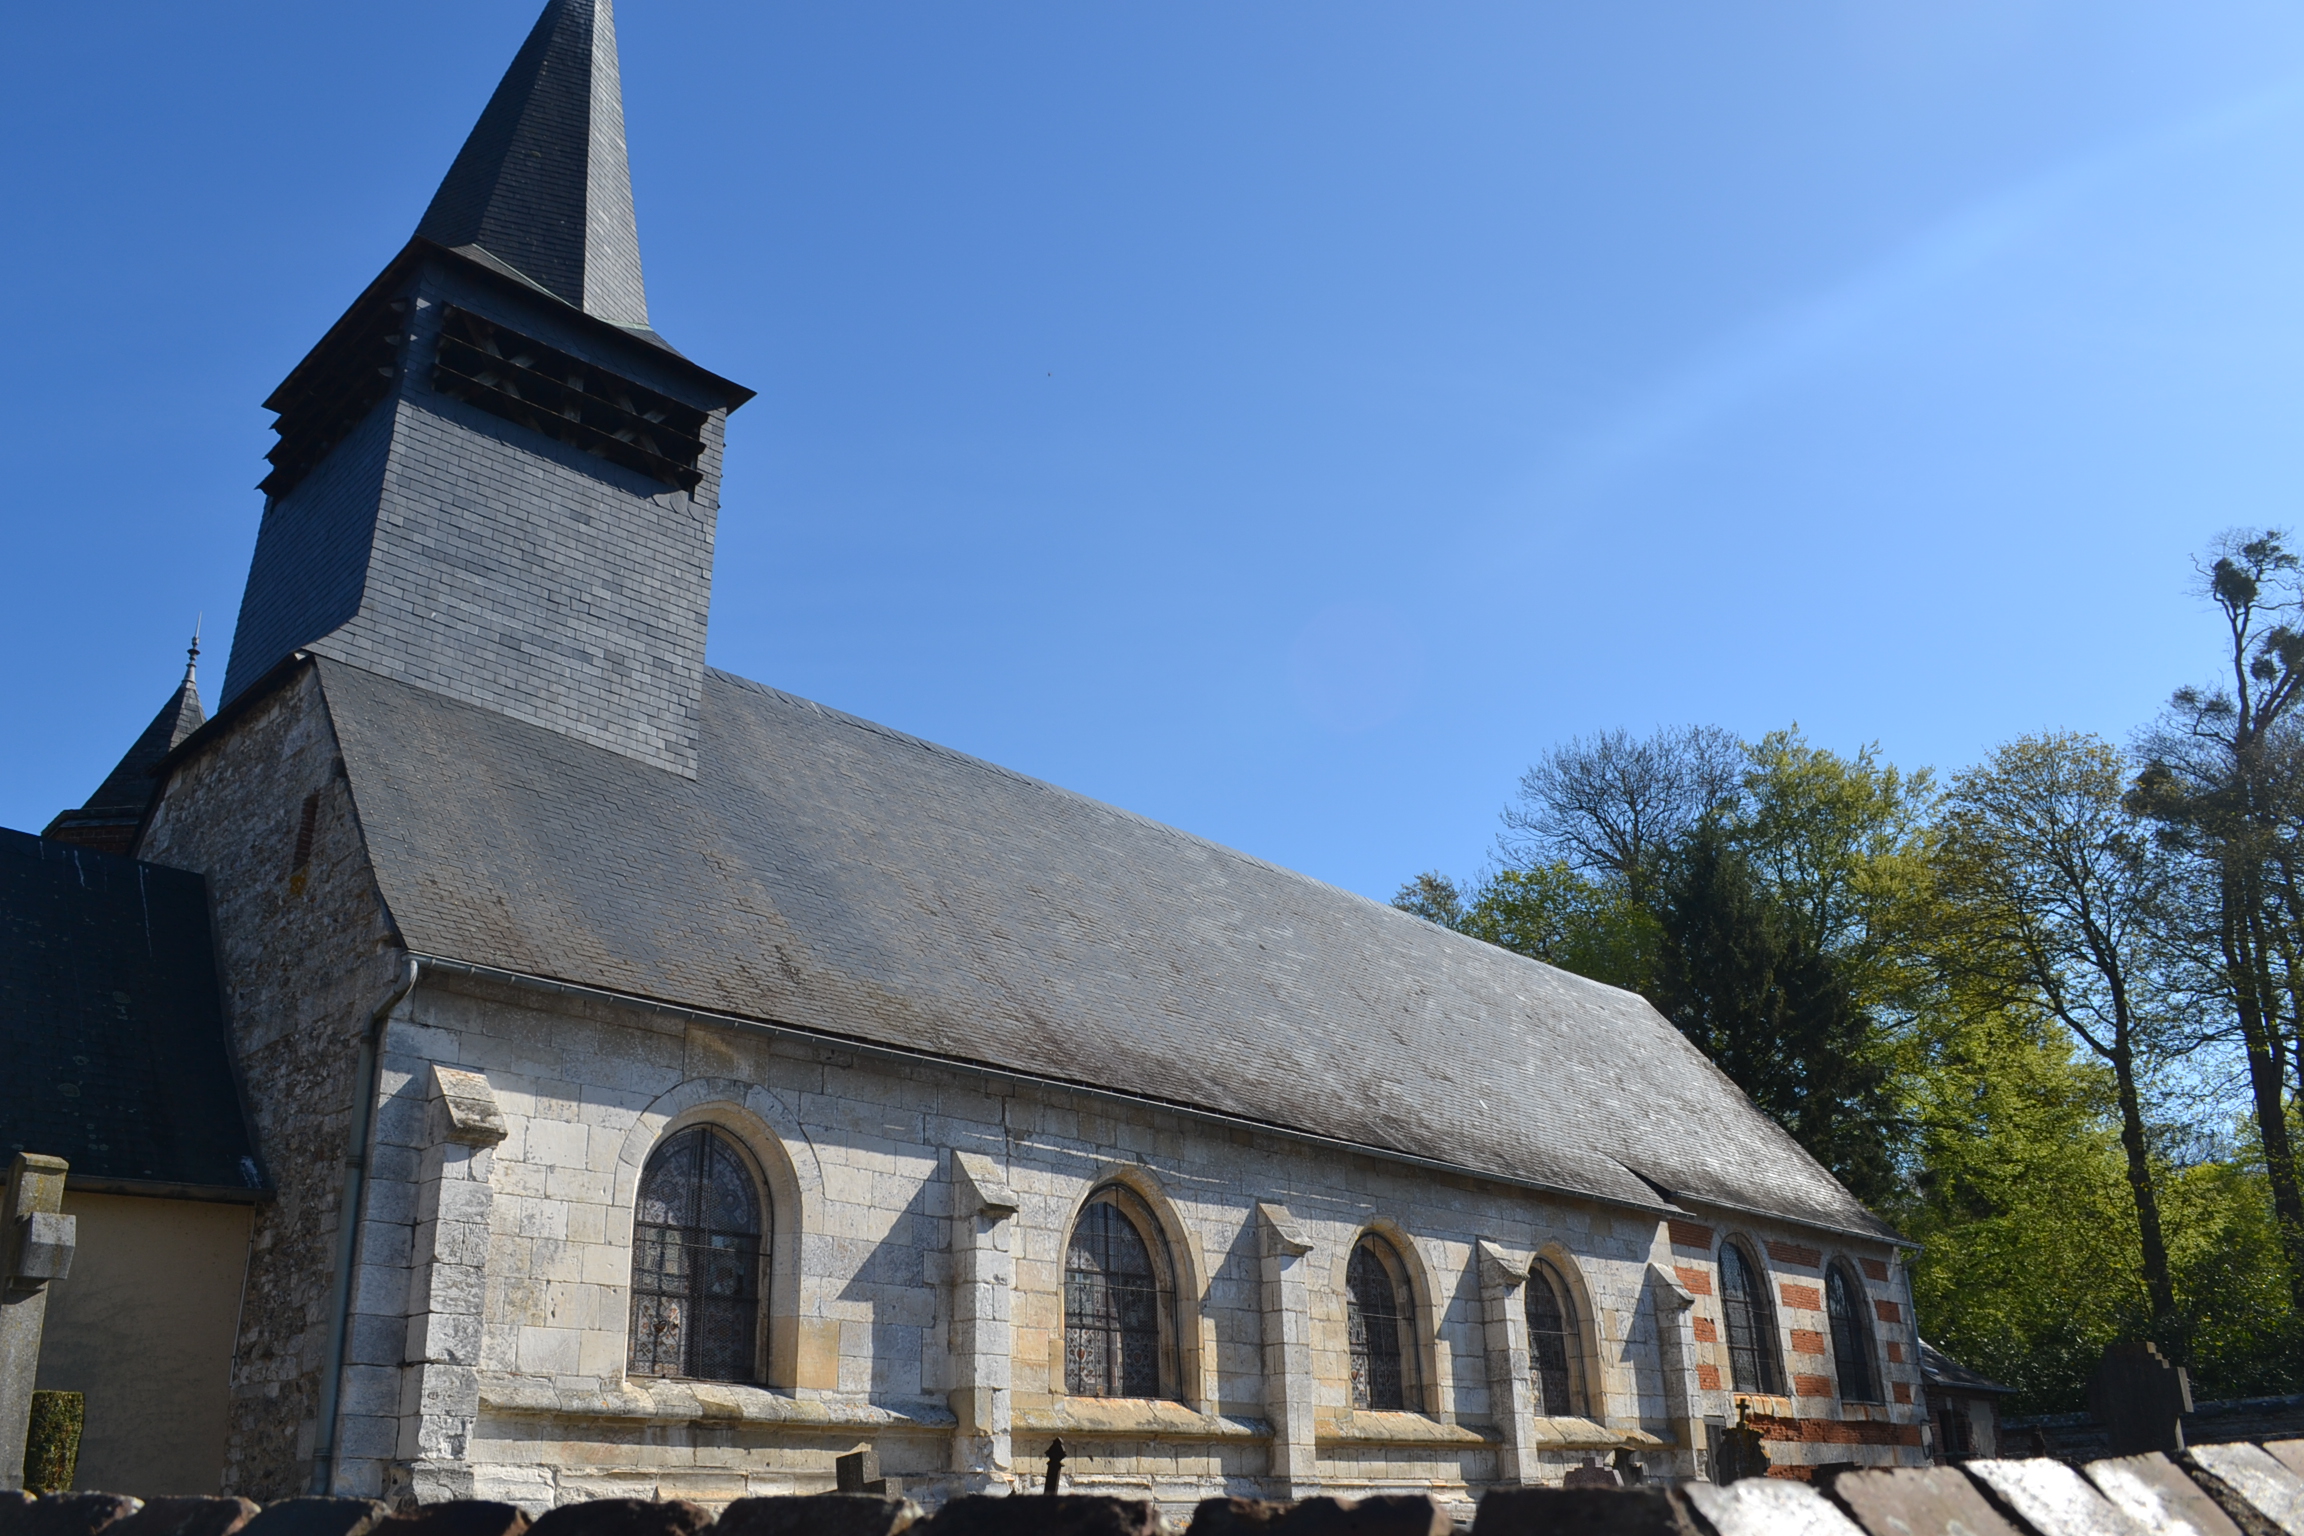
(546, 390)
(333, 392)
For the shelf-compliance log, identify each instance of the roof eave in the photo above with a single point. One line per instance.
(419, 249)
(867, 1047)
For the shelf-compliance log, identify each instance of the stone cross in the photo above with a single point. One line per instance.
(2140, 1398)
(36, 1241)
(1740, 1452)
(859, 1472)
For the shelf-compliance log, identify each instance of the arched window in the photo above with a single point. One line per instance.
(1752, 1363)
(1851, 1336)
(1116, 1280)
(696, 1261)
(1379, 1316)
(1552, 1345)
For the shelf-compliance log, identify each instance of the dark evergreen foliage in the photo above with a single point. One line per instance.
(1740, 979)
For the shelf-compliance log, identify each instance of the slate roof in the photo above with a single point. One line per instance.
(1941, 1371)
(109, 819)
(825, 872)
(111, 1029)
(542, 186)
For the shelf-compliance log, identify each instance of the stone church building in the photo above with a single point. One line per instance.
(662, 1084)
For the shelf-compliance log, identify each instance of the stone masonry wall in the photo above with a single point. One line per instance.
(879, 1235)
(307, 952)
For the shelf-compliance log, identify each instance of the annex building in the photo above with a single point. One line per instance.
(625, 1077)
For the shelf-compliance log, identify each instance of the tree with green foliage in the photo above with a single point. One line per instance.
(2026, 1270)
(2055, 901)
(1743, 978)
(2224, 783)
(1549, 913)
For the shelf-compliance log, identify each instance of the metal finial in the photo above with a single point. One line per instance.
(192, 654)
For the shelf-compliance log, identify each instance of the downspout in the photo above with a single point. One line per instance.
(367, 1074)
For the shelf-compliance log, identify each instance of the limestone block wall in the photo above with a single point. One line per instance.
(307, 953)
(904, 1198)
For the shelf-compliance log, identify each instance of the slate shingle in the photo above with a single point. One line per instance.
(110, 1023)
(825, 872)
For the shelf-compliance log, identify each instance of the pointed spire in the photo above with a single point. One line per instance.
(108, 821)
(543, 186)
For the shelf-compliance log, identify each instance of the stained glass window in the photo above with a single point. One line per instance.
(1851, 1336)
(1372, 1309)
(1551, 1340)
(1752, 1364)
(696, 1261)
(1111, 1305)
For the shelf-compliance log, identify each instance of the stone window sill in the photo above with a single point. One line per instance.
(690, 1402)
(1573, 1434)
(1133, 1417)
(1372, 1427)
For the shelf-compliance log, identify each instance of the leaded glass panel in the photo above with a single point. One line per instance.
(1111, 1307)
(696, 1261)
(1372, 1311)
(1752, 1364)
(1551, 1335)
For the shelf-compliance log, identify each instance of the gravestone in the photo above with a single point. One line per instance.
(2054, 1499)
(2258, 1479)
(859, 1472)
(1738, 1453)
(1769, 1506)
(816, 1514)
(2158, 1494)
(2140, 1399)
(1581, 1512)
(624, 1517)
(1063, 1514)
(1921, 1501)
(35, 1248)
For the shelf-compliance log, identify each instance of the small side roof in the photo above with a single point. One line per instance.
(109, 819)
(1941, 1371)
(831, 874)
(111, 1026)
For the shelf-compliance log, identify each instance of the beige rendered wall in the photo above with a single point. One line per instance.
(143, 1326)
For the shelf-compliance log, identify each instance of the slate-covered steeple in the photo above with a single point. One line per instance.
(492, 479)
(109, 820)
(542, 185)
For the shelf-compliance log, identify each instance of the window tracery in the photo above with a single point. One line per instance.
(1751, 1324)
(1377, 1315)
(1115, 1276)
(696, 1261)
(1552, 1341)
(1851, 1336)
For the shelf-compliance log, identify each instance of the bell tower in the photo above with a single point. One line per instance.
(493, 479)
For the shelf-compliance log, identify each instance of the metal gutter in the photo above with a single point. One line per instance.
(367, 1074)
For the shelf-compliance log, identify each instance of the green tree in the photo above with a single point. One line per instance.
(2223, 784)
(2027, 1265)
(1841, 842)
(1741, 976)
(1549, 913)
(2054, 901)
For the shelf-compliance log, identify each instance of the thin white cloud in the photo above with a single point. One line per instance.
(1760, 358)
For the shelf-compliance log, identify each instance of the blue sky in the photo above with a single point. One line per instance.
(1283, 420)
